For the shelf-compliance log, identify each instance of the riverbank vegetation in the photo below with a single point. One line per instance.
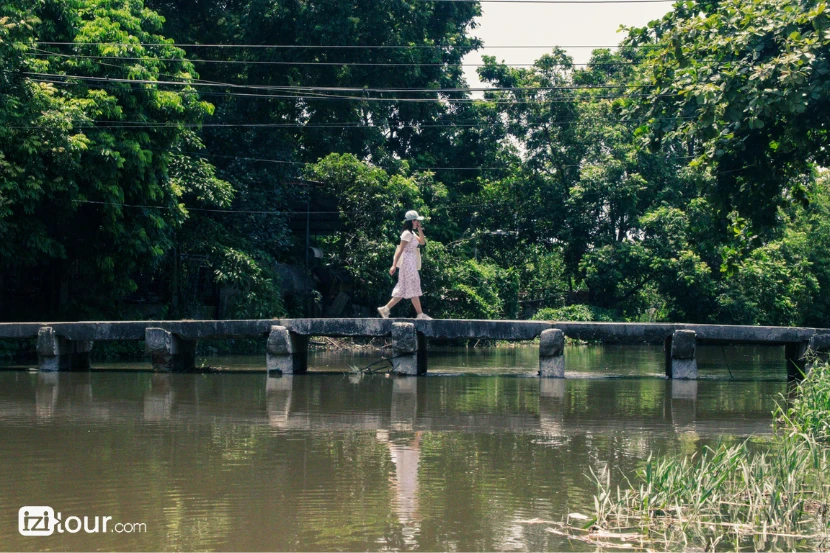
(753, 496)
(677, 177)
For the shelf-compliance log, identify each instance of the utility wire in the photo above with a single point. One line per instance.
(301, 88)
(125, 125)
(302, 212)
(346, 46)
(320, 96)
(417, 169)
(547, 1)
(41, 52)
(269, 212)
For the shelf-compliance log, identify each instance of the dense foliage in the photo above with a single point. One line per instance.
(676, 178)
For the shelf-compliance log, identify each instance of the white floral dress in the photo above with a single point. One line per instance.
(409, 282)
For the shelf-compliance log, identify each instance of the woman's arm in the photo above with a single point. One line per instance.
(422, 240)
(398, 252)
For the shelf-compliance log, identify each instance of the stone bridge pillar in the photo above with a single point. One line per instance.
(796, 356)
(819, 350)
(680, 355)
(56, 353)
(286, 352)
(410, 350)
(169, 352)
(552, 353)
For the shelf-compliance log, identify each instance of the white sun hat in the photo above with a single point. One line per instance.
(412, 215)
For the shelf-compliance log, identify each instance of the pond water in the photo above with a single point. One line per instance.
(479, 455)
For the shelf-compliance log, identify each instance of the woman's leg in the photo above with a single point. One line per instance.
(416, 301)
(392, 303)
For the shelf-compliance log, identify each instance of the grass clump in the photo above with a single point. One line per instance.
(748, 496)
(577, 313)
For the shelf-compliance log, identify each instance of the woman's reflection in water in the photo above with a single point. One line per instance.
(405, 451)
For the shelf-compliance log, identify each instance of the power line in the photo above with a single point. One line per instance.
(42, 52)
(416, 169)
(346, 46)
(411, 124)
(301, 88)
(269, 212)
(304, 212)
(548, 1)
(321, 96)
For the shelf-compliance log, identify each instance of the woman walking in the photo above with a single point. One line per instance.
(408, 260)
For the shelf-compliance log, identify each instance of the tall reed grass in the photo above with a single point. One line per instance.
(741, 497)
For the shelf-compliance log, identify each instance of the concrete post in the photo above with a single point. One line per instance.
(819, 350)
(286, 352)
(683, 361)
(409, 350)
(795, 354)
(169, 352)
(56, 353)
(552, 353)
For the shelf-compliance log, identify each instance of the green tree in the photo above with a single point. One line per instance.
(92, 187)
(745, 86)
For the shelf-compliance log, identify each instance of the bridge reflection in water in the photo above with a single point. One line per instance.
(561, 407)
(326, 461)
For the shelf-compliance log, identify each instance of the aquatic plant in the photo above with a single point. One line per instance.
(753, 496)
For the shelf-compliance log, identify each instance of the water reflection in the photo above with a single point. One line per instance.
(343, 462)
(401, 404)
(405, 453)
(159, 399)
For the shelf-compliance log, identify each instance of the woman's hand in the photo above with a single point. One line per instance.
(392, 270)
(416, 225)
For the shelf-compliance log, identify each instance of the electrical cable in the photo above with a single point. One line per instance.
(269, 212)
(320, 96)
(547, 1)
(345, 46)
(42, 53)
(302, 88)
(301, 212)
(402, 125)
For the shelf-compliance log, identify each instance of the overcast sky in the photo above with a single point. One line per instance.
(550, 24)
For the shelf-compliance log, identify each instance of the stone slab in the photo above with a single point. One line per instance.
(683, 344)
(684, 369)
(279, 341)
(551, 343)
(446, 328)
(820, 343)
(552, 367)
(168, 351)
(404, 338)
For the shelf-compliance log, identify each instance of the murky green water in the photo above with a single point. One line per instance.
(459, 460)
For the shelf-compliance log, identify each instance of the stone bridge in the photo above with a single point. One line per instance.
(172, 344)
